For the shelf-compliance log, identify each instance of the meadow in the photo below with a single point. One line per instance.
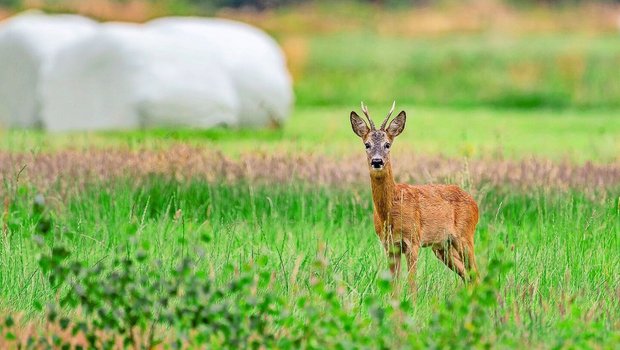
(296, 225)
(559, 289)
(263, 238)
(477, 133)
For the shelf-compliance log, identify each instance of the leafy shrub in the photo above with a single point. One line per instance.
(134, 301)
(139, 303)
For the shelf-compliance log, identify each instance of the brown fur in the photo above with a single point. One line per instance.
(408, 217)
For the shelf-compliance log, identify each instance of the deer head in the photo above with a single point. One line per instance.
(378, 142)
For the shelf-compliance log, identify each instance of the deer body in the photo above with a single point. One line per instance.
(427, 215)
(408, 217)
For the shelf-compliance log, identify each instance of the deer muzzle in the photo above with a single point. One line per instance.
(377, 163)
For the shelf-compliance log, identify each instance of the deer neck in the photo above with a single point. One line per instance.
(383, 193)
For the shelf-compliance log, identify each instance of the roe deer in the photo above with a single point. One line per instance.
(408, 217)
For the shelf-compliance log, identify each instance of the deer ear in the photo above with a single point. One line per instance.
(397, 125)
(359, 126)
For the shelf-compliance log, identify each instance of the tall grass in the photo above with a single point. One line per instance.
(563, 246)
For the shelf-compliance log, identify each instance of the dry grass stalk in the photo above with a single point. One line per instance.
(70, 170)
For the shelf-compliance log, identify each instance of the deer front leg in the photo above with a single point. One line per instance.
(412, 265)
(394, 255)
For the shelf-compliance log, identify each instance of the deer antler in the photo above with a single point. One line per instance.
(388, 116)
(365, 110)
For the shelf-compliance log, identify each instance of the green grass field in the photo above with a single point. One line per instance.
(479, 133)
(566, 70)
(563, 248)
(295, 264)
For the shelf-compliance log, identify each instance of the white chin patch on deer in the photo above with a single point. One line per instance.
(377, 167)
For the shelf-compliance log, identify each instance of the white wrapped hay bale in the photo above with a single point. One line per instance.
(28, 42)
(124, 76)
(251, 57)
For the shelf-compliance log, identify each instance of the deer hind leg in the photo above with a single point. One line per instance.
(451, 257)
(470, 261)
(463, 254)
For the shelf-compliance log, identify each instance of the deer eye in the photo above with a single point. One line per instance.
(387, 145)
(367, 145)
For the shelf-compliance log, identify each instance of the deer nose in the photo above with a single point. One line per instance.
(376, 162)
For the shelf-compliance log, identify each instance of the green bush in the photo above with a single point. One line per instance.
(134, 301)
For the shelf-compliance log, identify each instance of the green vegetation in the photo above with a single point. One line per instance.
(477, 133)
(562, 247)
(93, 257)
(509, 71)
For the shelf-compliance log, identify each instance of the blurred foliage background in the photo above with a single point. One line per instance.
(552, 54)
(270, 4)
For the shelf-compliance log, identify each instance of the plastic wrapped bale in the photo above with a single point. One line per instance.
(28, 42)
(254, 60)
(125, 77)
